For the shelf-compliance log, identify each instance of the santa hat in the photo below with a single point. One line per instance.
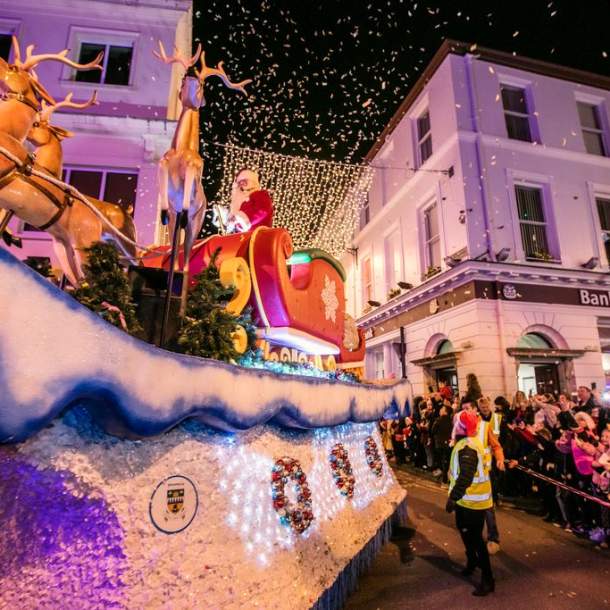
(466, 423)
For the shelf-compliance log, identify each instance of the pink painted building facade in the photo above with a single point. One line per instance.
(117, 144)
(491, 206)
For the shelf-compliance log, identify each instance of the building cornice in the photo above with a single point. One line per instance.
(126, 11)
(542, 150)
(460, 48)
(119, 126)
(469, 271)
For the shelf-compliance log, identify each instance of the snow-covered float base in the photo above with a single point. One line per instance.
(82, 516)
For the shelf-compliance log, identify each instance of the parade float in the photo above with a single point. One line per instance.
(135, 477)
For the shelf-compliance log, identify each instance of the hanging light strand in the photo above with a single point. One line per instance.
(318, 202)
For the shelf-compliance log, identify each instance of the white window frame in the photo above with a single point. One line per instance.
(422, 139)
(104, 171)
(81, 35)
(545, 185)
(524, 86)
(10, 27)
(600, 114)
(427, 241)
(603, 231)
(598, 191)
(367, 258)
(393, 273)
(365, 212)
(379, 357)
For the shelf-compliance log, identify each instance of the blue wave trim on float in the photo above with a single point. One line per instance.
(55, 354)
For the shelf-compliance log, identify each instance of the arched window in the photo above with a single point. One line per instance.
(534, 341)
(444, 347)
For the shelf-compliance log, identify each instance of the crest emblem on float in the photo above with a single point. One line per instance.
(175, 499)
(173, 504)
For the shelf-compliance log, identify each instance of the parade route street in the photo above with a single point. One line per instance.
(539, 565)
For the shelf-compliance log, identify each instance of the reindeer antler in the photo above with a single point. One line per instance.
(49, 109)
(16, 49)
(219, 71)
(177, 57)
(33, 60)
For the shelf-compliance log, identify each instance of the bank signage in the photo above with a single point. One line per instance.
(528, 293)
(539, 293)
(594, 298)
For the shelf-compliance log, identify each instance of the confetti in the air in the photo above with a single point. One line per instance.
(328, 75)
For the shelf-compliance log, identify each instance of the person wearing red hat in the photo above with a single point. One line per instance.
(470, 496)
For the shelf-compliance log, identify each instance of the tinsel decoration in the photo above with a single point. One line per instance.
(341, 468)
(373, 457)
(299, 515)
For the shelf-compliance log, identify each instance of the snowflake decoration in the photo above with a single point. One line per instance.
(329, 297)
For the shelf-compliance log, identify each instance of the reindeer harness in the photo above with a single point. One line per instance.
(24, 169)
(24, 172)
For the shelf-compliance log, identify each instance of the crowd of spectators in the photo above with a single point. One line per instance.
(565, 438)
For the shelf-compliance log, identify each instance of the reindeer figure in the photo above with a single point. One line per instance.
(181, 168)
(73, 226)
(47, 139)
(21, 94)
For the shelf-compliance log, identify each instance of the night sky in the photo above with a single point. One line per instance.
(328, 75)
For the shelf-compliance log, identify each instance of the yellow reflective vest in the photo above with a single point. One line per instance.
(478, 495)
(494, 422)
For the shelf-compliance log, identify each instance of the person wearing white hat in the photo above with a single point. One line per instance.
(251, 206)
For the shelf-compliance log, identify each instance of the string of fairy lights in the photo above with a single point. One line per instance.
(318, 202)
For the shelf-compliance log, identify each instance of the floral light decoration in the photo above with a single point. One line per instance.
(341, 468)
(373, 457)
(299, 514)
(318, 202)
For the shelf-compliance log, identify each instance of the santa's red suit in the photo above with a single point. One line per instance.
(258, 208)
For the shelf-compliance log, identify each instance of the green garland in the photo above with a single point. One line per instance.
(105, 289)
(207, 327)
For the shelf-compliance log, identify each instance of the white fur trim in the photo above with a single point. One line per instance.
(242, 221)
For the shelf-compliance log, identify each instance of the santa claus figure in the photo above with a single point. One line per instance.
(251, 206)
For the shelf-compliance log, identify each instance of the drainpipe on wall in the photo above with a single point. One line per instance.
(503, 353)
(473, 100)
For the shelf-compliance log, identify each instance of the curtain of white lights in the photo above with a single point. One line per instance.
(318, 202)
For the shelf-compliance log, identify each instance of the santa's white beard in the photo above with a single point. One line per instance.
(238, 197)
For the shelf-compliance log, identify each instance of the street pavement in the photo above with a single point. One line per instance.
(539, 565)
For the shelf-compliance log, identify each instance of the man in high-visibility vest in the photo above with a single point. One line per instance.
(470, 496)
(489, 430)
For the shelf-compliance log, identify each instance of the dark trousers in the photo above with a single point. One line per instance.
(470, 525)
(443, 454)
(400, 451)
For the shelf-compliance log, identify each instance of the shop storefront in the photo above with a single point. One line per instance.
(513, 336)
